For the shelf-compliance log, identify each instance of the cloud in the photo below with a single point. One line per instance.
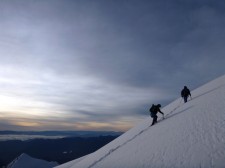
(100, 62)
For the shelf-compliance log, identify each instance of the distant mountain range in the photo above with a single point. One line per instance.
(75, 144)
(63, 133)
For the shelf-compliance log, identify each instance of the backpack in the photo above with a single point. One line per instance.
(153, 109)
(185, 92)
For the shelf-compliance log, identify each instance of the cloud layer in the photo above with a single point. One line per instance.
(100, 64)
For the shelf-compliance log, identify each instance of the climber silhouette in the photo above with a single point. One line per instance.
(185, 93)
(154, 110)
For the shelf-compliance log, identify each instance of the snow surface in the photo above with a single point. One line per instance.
(192, 135)
(25, 161)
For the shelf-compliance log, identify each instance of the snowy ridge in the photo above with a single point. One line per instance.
(25, 161)
(192, 135)
(119, 146)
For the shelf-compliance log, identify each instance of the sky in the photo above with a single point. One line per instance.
(100, 64)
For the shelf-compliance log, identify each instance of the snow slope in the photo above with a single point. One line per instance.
(25, 161)
(191, 136)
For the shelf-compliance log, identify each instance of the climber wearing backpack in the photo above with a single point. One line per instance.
(185, 93)
(154, 110)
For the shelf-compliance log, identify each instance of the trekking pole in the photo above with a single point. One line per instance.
(180, 101)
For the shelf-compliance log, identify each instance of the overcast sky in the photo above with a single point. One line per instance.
(100, 64)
